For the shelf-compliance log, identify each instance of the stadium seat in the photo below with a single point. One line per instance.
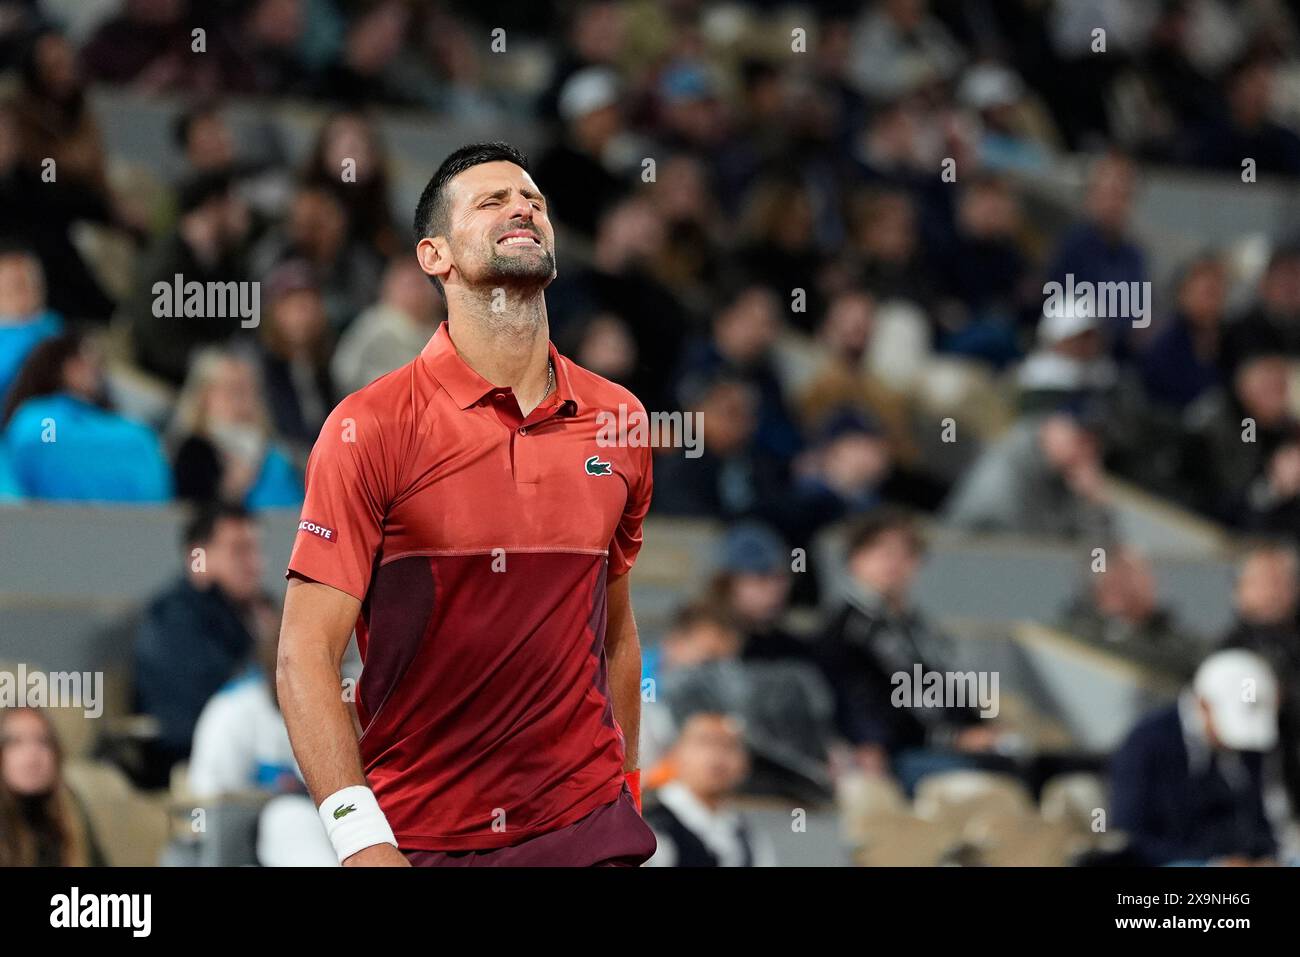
(130, 827)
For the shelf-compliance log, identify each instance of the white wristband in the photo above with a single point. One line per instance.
(353, 821)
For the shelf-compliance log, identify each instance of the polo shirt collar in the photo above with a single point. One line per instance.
(466, 387)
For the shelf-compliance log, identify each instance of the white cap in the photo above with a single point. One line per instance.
(587, 91)
(1241, 692)
(1073, 318)
(986, 85)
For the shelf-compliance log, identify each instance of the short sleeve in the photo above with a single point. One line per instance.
(349, 485)
(626, 543)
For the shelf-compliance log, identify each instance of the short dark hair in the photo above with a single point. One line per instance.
(17, 246)
(202, 523)
(431, 211)
(869, 529)
(701, 613)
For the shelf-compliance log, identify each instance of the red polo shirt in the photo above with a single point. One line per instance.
(479, 543)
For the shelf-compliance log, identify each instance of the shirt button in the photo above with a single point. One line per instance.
(499, 397)
(524, 430)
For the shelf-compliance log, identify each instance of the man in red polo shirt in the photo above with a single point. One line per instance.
(465, 516)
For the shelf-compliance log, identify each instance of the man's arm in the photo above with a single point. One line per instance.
(623, 660)
(318, 622)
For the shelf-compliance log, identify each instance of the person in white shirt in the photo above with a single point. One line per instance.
(691, 816)
(241, 745)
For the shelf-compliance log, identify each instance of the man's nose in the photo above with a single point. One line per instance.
(522, 209)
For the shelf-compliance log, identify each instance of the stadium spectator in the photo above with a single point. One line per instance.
(691, 116)
(1120, 608)
(207, 144)
(205, 139)
(830, 372)
(42, 823)
(221, 434)
(691, 253)
(146, 44)
(55, 121)
(1265, 602)
(986, 271)
(779, 250)
(1182, 95)
(64, 440)
(1182, 361)
(595, 35)
(730, 478)
(317, 231)
(1098, 249)
(1014, 133)
(44, 218)
(350, 161)
(365, 72)
(1247, 132)
(1044, 477)
(785, 705)
(1186, 785)
(742, 345)
(604, 344)
(198, 633)
(1241, 464)
(391, 332)
(1069, 367)
(241, 746)
(293, 355)
(693, 824)
(621, 280)
(1272, 323)
(25, 320)
(584, 174)
(898, 46)
(878, 632)
(886, 248)
(752, 587)
(204, 248)
(841, 476)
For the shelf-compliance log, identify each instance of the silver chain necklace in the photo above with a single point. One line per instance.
(550, 378)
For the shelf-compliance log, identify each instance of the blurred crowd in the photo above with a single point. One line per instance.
(758, 234)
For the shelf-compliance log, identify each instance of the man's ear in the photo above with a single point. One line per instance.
(434, 256)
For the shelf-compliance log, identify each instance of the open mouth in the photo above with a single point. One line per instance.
(520, 239)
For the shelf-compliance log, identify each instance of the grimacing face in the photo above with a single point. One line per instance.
(499, 233)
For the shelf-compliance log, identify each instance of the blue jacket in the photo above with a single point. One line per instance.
(62, 448)
(1175, 808)
(17, 341)
(190, 644)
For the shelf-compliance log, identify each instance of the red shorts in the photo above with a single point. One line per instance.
(613, 835)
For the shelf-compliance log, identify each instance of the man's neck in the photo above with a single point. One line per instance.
(505, 339)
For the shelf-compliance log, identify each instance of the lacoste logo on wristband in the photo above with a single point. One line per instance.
(341, 811)
(318, 530)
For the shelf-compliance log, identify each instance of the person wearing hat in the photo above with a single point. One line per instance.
(1069, 362)
(1186, 785)
(1265, 602)
(752, 585)
(577, 170)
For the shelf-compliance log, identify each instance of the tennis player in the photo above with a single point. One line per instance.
(463, 517)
